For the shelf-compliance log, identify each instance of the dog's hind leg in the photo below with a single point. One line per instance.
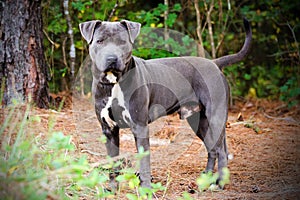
(199, 124)
(222, 158)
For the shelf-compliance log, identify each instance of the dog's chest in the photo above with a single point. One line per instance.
(115, 112)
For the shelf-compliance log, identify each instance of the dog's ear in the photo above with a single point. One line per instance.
(87, 29)
(133, 29)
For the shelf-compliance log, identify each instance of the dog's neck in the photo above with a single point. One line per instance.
(129, 66)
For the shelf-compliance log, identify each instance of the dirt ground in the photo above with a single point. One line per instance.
(262, 136)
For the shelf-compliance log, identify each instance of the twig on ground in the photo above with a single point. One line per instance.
(127, 156)
(241, 123)
(287, 119)
(280, 107)
(167, 185)
(91, 152)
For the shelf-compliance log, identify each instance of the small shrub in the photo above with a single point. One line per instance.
(290, 92)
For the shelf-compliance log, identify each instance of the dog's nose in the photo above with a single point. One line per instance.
(111, 60)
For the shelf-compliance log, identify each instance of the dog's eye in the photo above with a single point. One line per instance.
(100, 41)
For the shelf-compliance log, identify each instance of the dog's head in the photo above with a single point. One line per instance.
(110, 47)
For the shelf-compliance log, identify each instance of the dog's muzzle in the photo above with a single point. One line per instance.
(111, 63)
(112, 71)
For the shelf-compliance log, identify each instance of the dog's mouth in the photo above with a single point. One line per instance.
(110, 77)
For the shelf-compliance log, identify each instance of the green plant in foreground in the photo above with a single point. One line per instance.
(129, 177)
(207, 181)
(35, 166)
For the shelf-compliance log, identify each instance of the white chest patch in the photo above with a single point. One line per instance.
(111, 77)
(117, 94)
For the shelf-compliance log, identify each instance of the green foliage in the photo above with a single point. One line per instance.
(41, 167)
(207, 181)
(226, 177)
(153, 17)
(259, 81)
(129, 177)
(290, 92)
(58, 141)
(276, 36)
(81, 5)
(58, 25)
(153, 43)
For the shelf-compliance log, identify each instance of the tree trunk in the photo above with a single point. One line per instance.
(24, 71)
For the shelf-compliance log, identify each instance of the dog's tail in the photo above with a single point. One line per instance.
(234, 58)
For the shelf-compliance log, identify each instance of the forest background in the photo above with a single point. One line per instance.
(45, 154)
(271, 70)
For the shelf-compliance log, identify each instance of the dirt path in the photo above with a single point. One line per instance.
(265, 146)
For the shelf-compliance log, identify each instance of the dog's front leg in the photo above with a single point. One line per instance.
(112, 141)
(141, 135)
(112, 146)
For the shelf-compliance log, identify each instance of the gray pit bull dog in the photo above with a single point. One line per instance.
(131, 92)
